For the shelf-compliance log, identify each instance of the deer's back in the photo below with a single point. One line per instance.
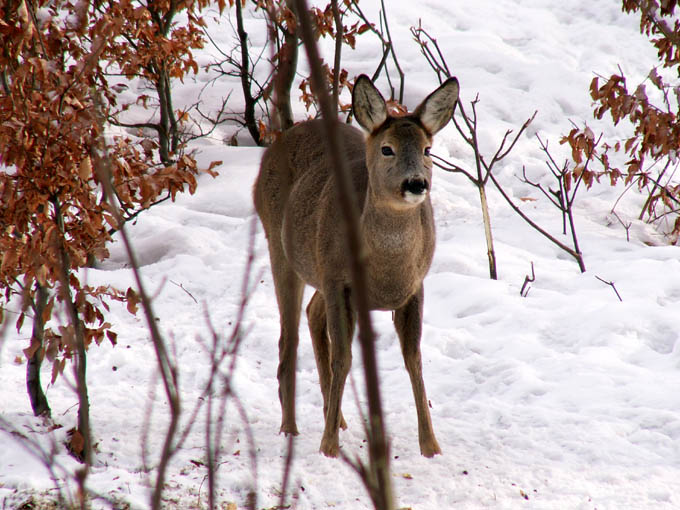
(296, 198)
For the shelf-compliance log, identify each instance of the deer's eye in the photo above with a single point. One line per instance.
(387, 150)
(427, 151)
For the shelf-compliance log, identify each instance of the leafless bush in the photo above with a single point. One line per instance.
(563, 197)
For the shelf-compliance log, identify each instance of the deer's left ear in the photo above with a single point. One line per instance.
(437, 108)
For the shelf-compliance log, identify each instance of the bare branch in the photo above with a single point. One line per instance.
(185, 290)
(611, 284)
(378, 447)
(338, 52)
(135, 125)
(553, 239)
(623, 224)
(394, 55)
(383, 60)
(500, 154)
(388, 46)
(556, 202)
(437, 62)
(452, 167)
(167, 369)
(524, 291)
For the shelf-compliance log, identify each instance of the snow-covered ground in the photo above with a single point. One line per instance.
(565, 398)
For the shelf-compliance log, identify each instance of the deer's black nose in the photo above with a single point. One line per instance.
(415, 185)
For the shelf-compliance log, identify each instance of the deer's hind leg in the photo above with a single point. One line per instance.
(289, 290)
(316, 317)
(408, 321)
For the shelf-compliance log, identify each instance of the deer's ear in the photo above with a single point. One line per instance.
(437, 108)
(368, 104)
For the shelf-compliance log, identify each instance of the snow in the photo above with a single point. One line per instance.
(565, 398)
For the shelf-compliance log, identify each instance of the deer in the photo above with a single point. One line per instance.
(295, 197)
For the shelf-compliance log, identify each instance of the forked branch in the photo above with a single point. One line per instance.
(385, 37)
(467, 126)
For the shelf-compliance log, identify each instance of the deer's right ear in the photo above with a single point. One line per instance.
(368, 104)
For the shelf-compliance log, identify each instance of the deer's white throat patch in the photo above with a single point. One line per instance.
(414, 198)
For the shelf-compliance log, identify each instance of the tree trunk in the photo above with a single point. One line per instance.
(81, 446)
(246, 78)
(33, 386)
(168, 134)
(285, 75)
(493, 274)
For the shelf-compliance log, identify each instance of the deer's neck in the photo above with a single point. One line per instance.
(390, 231)
(398, 245)
(393, 231)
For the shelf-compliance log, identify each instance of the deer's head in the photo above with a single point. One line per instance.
(398, 148)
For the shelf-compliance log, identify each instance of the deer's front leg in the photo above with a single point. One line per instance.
(340, 324)
(316, 317)
(408, 322)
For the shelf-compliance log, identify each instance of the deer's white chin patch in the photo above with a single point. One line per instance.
(414, 199)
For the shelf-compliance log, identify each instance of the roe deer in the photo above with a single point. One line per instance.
(295, 196)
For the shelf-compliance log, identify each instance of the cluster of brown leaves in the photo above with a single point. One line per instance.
(656, 130)
(325, 26)
(48, 206)
(154, 41)
(53, 95)
(279, 14)
(584, 148)
(652, 148)
(308, 97)
(659, 22)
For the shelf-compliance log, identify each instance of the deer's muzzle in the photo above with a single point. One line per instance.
(415, 186)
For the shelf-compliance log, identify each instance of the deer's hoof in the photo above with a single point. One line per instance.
(430, 448)
(330, 448)
(289, 429)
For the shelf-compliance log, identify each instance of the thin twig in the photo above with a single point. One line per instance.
(611, 284)
(381, 65)
(623, 224)
(527, 281)
(185, 290)
(553, 196)
(48, 457)
(167, 369)
(394, 55)
(452, 167)
(500, 154)
(437, 62)
(388, 46)
(80, 369)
